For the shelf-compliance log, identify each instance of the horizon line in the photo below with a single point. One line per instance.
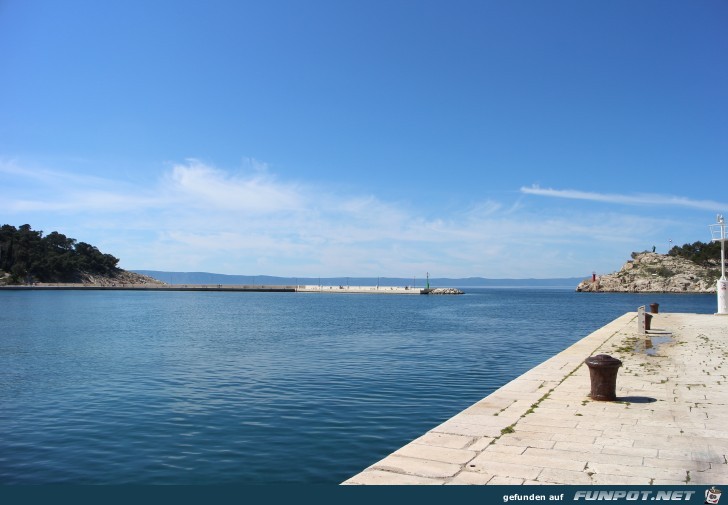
(138, 270)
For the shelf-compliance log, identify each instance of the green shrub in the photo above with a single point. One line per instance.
(705, 254)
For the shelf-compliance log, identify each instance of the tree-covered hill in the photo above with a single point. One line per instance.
(699, 253)
(29, 256)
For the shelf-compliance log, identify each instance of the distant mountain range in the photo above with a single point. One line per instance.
(267, 280)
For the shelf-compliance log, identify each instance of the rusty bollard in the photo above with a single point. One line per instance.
(654, 308)
(603, 373)
(648, 321)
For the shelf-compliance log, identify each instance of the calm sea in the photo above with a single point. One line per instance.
(216, 388)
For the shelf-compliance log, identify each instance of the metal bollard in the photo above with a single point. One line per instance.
(603, 373)
(648, 321)
(654, 308)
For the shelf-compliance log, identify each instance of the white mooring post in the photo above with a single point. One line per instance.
(719, 235)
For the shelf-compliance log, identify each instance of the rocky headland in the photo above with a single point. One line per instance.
(29, 257)
(649, 272)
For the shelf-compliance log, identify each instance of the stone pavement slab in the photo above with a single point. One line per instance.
(667, 426)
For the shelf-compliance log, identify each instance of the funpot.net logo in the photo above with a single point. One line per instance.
(636, 495)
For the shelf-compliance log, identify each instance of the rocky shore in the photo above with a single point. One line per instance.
(445, 291)
(655, 273)
(120, 278)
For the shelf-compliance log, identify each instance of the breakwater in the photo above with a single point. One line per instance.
(151, 287)
(390, 290)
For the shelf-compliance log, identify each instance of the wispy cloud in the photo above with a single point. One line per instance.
(37, 189)
(53, 178)
(195, 216)
(637, 199)
(196, 182)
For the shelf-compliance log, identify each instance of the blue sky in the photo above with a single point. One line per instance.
(366, 138)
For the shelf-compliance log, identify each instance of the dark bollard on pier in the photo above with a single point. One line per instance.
(603, 373)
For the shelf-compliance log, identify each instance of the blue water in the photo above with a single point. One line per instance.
(217, 388)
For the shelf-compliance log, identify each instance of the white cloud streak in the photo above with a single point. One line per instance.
(638, 199)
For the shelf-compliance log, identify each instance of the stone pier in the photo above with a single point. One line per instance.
(668, 425)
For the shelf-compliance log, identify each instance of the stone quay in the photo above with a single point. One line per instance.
(667, 425)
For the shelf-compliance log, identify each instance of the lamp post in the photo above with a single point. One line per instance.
(718, 233)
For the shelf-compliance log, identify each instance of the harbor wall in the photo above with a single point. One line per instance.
(221, 287)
